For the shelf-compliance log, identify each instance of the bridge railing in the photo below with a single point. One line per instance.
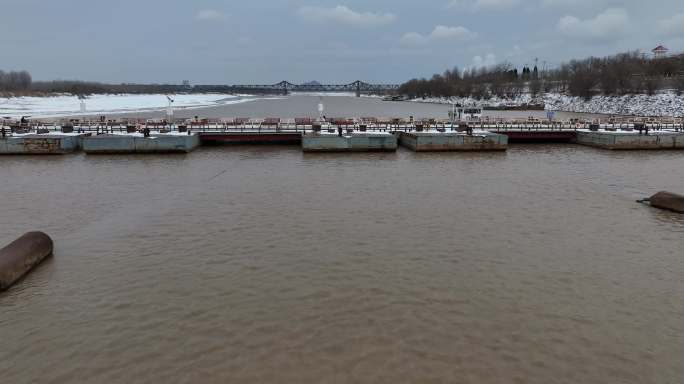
(286, 87)
(303, 125)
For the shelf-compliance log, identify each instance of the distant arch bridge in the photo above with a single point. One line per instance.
(285, 87)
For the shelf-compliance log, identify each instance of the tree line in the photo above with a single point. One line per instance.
(21, 83)
(15, 81)
(625, 73)
(90, 88)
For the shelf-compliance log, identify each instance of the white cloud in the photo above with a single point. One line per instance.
(484, 5)
(673, 26)
(444, 32)
(413, 38)
(488, 61)
(209, 15)
(345, 15)
(566, 3)
(516, 52)
(441, 32)
(608, 25)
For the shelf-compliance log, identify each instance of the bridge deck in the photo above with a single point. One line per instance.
(270, 126)
(516, 129)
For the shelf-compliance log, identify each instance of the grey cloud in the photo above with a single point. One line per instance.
(224, 41)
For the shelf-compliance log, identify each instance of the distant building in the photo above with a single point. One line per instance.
(659, 52)
(186, 83)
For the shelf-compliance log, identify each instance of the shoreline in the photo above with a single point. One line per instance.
(57, 106)
(154, 106)
(662, 104)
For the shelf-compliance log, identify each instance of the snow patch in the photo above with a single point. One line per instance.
(664, 104)
(67, 105)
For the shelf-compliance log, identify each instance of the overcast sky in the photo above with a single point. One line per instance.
(265, 41)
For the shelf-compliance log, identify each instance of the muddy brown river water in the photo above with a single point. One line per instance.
(267, 265)
(335, 106)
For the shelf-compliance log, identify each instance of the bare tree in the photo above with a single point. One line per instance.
(679, 85)
(651, 85)
(535, 87)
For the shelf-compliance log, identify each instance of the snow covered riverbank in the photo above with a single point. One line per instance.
(67, 105)
(493, 102)
(666, 104)
(661, 105)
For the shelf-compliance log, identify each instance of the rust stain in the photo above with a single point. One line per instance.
(36, 145)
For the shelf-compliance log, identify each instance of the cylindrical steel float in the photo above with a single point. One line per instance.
(22, 255)
(669, 201)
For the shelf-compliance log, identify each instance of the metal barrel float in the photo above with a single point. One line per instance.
(22, 255)
(666, 200)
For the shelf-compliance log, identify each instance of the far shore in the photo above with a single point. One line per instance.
(662, 104)
(306, 106)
